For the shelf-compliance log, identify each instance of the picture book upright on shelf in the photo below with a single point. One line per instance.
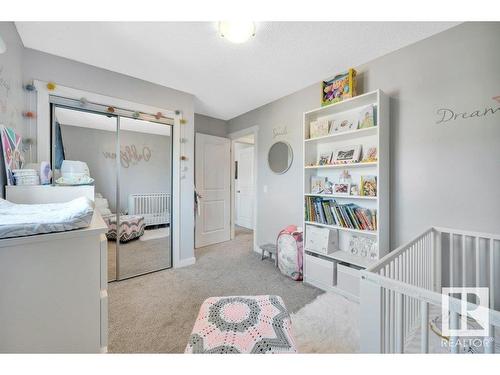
(346, 190)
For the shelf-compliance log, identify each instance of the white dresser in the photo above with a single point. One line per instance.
(53, 292)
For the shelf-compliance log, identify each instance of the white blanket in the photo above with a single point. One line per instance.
(18, 220)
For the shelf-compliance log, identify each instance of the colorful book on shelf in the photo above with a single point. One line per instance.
(329, 212)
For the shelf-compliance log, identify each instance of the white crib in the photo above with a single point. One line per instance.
(155, 207)
(401, 291)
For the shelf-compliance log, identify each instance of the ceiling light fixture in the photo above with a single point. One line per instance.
(3, 47)
(237, 31)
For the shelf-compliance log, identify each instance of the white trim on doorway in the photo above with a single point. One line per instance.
(44, 146)
(253, 130)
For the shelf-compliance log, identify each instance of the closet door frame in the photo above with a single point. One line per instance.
(44, 142)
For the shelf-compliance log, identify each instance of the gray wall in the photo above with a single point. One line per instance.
(210, 125)
(444, 174)
(46, 67)
(97, 147)
(11, 88)
(11, 80)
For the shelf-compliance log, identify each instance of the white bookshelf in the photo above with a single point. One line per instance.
(319, 267)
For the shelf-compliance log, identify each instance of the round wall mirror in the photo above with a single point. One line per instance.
(280, 157)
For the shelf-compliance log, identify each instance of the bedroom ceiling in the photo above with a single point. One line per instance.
(227, 79)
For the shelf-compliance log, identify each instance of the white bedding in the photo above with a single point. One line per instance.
(18, 220)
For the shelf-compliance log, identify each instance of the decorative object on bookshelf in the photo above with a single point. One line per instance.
(319, 128)
(366, 118)
(341, 188)
(321, 240)
(370, 156)
(345, 177)
(369, 186)
(347, 154)
(325, 158)
(318, 184)
(329, 212)
(362, 246)
(374, 251)
(349, 122)
(354, 190)
(328, 187)
(338, 88)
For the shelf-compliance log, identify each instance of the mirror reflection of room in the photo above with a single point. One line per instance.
(136, 195)
(145, 195)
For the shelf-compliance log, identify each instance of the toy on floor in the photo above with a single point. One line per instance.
(290, 249)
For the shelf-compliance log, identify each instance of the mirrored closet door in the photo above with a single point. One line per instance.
(145, 177)
(128, 162)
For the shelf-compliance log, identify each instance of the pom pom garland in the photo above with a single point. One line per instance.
(30, 87)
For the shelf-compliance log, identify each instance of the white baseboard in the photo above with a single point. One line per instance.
(185, 262)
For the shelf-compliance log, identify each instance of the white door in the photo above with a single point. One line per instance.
(212, 164)
(245, 187)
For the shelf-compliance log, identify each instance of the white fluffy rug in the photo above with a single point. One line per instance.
(329, 324)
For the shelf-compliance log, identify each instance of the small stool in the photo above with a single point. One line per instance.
(271, 250)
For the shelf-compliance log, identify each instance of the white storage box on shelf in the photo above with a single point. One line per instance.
(348, 278)
(319, 271)
(321, 240)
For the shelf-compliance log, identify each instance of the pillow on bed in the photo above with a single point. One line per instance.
(18, 220)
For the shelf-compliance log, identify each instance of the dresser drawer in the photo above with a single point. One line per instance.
(104, 261)
(104, 321)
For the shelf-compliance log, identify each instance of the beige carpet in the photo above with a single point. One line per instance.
(155, 313)
(138, 257)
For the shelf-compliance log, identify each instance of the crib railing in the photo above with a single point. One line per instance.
(398, 291)
(155, 207)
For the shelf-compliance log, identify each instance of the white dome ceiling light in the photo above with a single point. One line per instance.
(3, 47)
(237, 31)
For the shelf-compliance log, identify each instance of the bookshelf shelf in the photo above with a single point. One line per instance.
(342, 166)
(358, 231)
(316, 263)
(342, 196)
(343, 256)
(347, 134)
